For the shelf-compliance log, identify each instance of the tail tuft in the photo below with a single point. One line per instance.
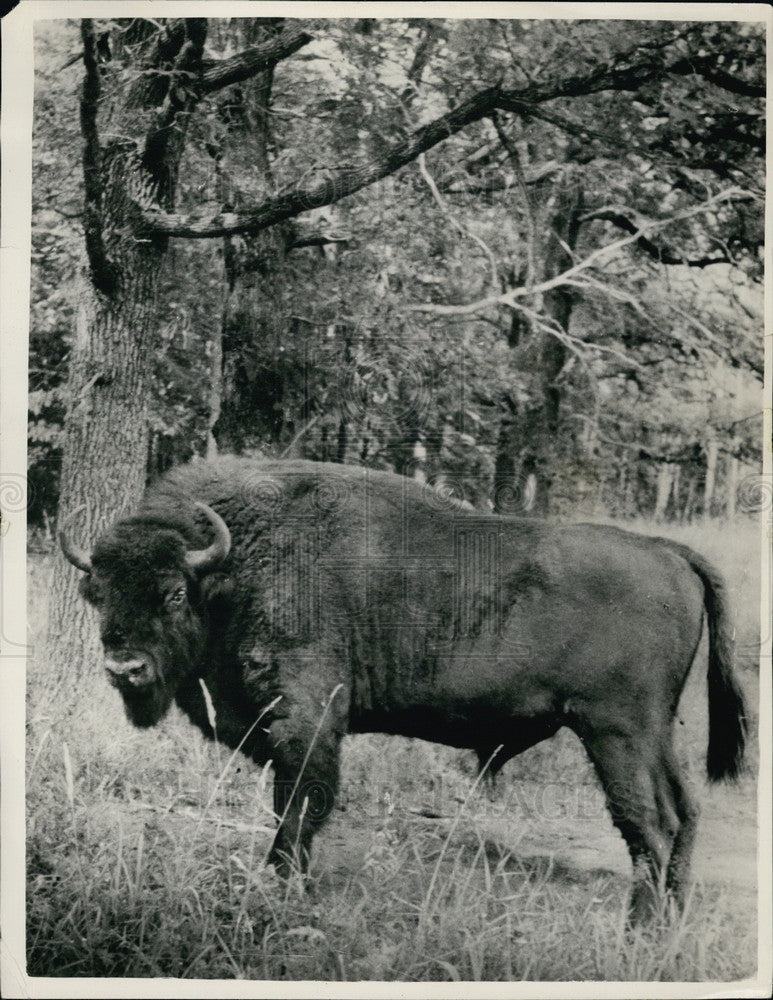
(727, 709)
(727, 730)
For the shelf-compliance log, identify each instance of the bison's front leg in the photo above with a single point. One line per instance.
(305, 751)
(305, 786)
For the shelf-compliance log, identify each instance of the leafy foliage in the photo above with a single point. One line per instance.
(651, 125)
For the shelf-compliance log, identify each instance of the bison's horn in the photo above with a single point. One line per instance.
(204, 559)
(76, 556)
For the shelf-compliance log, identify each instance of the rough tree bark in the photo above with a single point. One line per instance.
(106, 446)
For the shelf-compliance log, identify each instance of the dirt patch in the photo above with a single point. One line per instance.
(573, 844)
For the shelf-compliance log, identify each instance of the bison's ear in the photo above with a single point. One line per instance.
(216, 591)
(86, 589)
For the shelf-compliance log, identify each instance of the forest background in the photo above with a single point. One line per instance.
(457, 319)
(519, 259)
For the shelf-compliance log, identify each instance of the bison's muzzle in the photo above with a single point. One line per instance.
(140, 683)
(131, 671)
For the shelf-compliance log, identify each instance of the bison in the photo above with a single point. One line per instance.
(317, 600)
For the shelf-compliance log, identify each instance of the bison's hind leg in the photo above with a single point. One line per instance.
(638, 783)
(676, 793)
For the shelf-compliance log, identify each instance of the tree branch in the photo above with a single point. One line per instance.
(179, 96)
(429, 39)
(252, 61)
(103, 272)
(330, 190)
(528, 208)
(455, 223)
(661, 254)
(153, 85)
(708, 69)
(293, 201)
(190, 79)
(159, 159)
(614, 76)
(533, 175)
(314, 239)
(513, 294)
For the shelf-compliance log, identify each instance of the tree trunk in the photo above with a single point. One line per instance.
(689, 504)
(675, 490)
(732, 484)
(666, 472)
(215, 391)
(342, 439)
(506, 461)
(254, 352)
(419, 464)
(253, 344)
(712, 452)
(527, 446)
(621, 506)
(105, 452)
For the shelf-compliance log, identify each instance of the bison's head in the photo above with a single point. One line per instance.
(145, 584)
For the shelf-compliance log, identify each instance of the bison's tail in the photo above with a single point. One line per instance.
(727, 712)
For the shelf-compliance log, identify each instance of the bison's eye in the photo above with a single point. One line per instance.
(176, 597)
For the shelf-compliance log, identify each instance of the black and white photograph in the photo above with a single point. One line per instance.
(387, 500)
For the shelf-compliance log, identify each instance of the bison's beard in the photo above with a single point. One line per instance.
(148, 705)
(169, 659)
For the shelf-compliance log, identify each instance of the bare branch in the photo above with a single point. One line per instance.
(533, 175)
(315, 239)
(661, 254)
(708, 69)
(71, 61)
(331, 189)
(299, 435)
(577, 346)
(552, 327)
(531, 227)
(527, 101)
(429, 39)
(509, 297)
(708, 334)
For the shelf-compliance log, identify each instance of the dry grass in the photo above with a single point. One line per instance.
(415, 879)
